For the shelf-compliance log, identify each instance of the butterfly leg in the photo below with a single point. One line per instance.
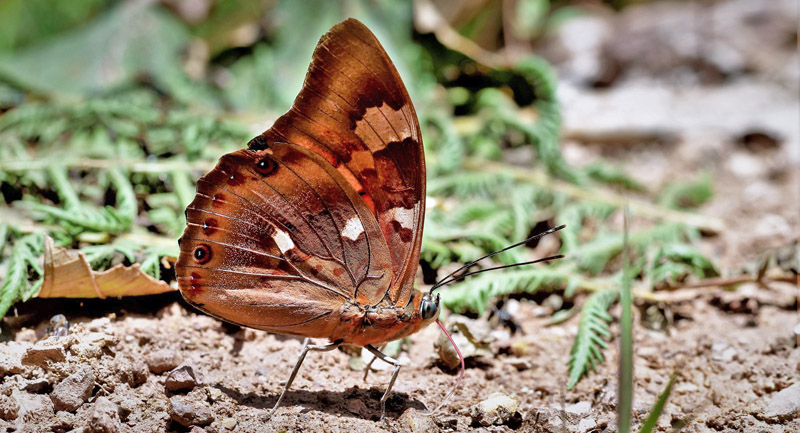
(306, 348)
(368, 368)
(397, 366)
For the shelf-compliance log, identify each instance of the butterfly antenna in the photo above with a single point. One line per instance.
(460, 373)
(462, 276)
(468, 265)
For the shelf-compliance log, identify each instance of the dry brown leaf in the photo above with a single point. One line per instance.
(68, 275)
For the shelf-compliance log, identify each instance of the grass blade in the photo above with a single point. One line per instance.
(652, 419)
(625, 392)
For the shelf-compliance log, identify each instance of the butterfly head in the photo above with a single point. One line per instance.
(429, 307)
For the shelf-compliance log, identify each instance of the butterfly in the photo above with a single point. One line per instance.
(314, 230)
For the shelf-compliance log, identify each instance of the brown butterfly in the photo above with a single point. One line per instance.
(315, 229)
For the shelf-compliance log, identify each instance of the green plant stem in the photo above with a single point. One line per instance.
(136, 166)
(598, 195)
(625, 391)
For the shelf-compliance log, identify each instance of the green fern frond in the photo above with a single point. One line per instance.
(612, 175)
(673, 261)
(469, 183)
(685, 195)
(593, 327)
(102, 256)
(476, 293)
(594, 255)
(79, 217)
(23, 260)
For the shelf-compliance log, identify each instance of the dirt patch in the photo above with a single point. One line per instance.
(114, 375)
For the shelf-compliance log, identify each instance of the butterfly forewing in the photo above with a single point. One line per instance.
(355, 112)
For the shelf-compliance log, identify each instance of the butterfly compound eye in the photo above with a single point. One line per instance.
(202, 254)
(429, 308)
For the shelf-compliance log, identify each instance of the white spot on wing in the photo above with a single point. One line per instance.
(283, 240)
(403, 216)
(352, 229)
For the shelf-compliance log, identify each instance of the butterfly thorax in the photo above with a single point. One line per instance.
(360, 325)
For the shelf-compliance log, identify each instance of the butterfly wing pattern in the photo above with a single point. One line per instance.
(320, 220)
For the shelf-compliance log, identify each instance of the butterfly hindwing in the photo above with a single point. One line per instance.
(279, 240)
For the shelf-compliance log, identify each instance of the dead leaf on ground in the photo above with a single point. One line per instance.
(68, 275)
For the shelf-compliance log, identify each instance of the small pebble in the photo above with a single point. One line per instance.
(182, 378)
(73, 391)
(519, 363)
(357, 406)
(188, 413)
(412, 421)
(587, 424)
(105, 416)
(162, 360)
(784, 405)
(32, 407)
(496, 410)
(9, 408)
(37, 386)
(229, 423)
(580, 408)
(723, 352)
(214, 394)
(41, 355)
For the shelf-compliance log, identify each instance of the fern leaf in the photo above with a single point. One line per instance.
(593, 327)
(25, 253)
(476, 293)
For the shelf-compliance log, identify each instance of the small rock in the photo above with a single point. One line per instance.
(188, 413)
(580, 408)
(197, 429)
(181, 379)
(27, 335)
(32, 407)
(686, 387)
(105, 417)
(521, 347)
(9, 408)
(86, 350)
(162, 360)
(496, 410)
(91, 345)
(587, 424)
(73, 391)
(127, 406)
(38, 386)
(471, 336)
(229, 423)
(357, 406)
(99, 324)
(784, 405)
(214, 394)
(65, 422)
(139, 372)
(723, 352)
(519, 363)
(412, 421)
(41, 355)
